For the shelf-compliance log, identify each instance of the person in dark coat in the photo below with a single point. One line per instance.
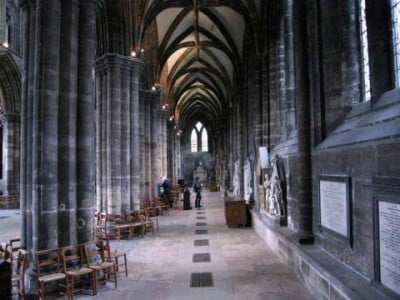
(197, 190)
(186, 199)
(167, 187)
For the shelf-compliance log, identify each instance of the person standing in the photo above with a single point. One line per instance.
(186, 199)
(167, 186)
(197, 190)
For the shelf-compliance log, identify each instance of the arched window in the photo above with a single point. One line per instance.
(194, 141)
(199, 138)
(395, 11)
(204, 140)
(364, 53)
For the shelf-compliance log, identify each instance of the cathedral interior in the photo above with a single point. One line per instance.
(287, 112)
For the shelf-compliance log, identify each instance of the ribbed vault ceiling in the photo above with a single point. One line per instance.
(200, 49)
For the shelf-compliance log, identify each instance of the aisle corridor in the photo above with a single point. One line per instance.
(242, 266)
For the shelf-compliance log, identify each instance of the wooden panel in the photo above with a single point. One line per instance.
(235, 212)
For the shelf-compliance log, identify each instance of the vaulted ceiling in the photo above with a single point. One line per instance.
(200, 46)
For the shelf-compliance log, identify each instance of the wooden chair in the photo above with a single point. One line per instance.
(148, 223)
(175, 196)
(101, 219)
(164, 207)
(15, 245)
(135, 224)
(19, 272)
(75, 266)
(49, 270)
(115, 230)
(5, 251)
(99, 260)
(116, 256)
(152, 215)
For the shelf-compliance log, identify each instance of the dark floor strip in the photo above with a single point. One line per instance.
(204, 242)
(201, 280)
(201, 257)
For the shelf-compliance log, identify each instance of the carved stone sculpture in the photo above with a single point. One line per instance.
(274, 200)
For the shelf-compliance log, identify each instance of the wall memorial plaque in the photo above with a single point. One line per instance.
(388, 230)
(335, 211)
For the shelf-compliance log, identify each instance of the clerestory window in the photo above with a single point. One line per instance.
(395, 12)
(364, 53)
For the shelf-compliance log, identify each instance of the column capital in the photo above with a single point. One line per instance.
(118, 62)
(162, 113)
(22, 3)
(10, 117)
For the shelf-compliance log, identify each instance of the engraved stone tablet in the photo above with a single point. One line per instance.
(334, 206)
(389, 245)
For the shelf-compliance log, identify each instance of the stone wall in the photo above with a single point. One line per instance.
(316, 122)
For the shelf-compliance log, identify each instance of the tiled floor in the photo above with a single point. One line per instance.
(242, 265)
(160, 265)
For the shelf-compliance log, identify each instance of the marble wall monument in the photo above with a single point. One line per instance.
(389, 244)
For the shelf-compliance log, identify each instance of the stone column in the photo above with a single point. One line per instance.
(11, 146)
(57, 132)
(85, 192)
(303, 215)
(134, 135)
(142, 133)
(118, 145)
(164, 115)
(3, 23)
(145, 102)
(158, 141)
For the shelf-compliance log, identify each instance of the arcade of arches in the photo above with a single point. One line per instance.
(292, 106)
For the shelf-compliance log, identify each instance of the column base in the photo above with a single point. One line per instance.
(305, 238)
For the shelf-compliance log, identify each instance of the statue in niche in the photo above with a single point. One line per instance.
(200, 172)
(274, 196)
(227, 179)
(236, 179)
(248, 189)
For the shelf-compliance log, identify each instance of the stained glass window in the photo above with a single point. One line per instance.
(194, 141)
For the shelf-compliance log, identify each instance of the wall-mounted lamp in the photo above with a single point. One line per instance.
(142, 50)
(165, 106)
(133, 53)
(6, 44)
(171, 118)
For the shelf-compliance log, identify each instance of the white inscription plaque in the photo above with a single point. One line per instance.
(389, 245)
(334, 209)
